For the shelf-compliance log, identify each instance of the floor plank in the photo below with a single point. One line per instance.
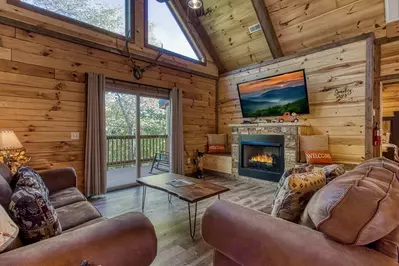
(175, 246)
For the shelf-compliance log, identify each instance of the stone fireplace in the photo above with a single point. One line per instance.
(261, 152)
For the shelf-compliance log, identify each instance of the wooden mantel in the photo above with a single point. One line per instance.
(271, 125)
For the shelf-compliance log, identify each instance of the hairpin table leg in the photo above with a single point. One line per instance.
(192, 227)
(143, 200)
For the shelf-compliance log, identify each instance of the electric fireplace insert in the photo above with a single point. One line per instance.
(261, 156)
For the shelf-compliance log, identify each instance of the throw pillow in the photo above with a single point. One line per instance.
(8, 232)
(333, 171)
(297, 169)
(34, 215)
(217, 143)
(356, 208)
(318, 157)
(312, 143)
(296, 192)
(26, 176)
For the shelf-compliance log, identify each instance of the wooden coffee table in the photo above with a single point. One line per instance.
(191, 194)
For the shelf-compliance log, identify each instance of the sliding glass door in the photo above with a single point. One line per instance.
(120, 124)
(137, 124)
(154, 121)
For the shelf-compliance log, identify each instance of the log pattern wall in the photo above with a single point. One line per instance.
(390, 99)
(390, 58)
(43, 96)
(299, 25)
(303, 24)
(138, 47)
(336, 90)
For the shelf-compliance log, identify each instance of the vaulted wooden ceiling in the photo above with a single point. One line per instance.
(298, 25)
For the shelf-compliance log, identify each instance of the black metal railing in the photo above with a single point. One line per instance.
(122, 149)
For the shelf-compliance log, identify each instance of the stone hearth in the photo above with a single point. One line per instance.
(291, 133)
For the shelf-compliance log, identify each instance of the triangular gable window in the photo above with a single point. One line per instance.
(164, 29)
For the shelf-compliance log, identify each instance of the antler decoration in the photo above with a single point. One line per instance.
(137, 70)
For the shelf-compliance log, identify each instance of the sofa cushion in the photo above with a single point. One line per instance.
(77, 213)
(65, 197)
(34, 215)
(5, 172)
(27, 177)
(389, 244)
(296, 192)
(5, 193)
(97, 220)
(359, 207)
(9, 232)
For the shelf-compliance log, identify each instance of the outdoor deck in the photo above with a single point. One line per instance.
(126, 176)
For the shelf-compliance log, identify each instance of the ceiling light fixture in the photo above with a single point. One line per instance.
(194, 4)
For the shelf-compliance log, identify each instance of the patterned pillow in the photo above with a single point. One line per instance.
(298, 169)
(333, 171)
(27, 177)
(295, 193)
(34, 215)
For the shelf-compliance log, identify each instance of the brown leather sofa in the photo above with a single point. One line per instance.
(128, 239)
(246, 237)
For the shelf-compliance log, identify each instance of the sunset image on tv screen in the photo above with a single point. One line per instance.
(274, 95)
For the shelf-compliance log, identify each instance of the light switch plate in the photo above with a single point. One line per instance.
(75, 136)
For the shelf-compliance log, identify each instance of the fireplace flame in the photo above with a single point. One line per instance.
(262, 158)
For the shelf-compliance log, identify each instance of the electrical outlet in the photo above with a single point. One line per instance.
(75, 136)
(188, 160)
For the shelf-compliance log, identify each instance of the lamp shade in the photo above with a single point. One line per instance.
(9, 141)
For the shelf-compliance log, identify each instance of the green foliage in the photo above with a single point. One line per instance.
(120, 110)
(299, 106)
(97, 13)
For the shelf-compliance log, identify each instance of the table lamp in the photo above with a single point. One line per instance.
(9, 146)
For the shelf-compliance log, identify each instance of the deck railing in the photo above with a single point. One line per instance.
(122, 149)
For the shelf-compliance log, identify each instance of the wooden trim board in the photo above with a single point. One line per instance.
(268, 28)
(369, 97)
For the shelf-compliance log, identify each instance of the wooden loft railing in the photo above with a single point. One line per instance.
(122, 149)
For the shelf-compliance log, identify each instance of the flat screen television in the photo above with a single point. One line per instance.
(273, 96)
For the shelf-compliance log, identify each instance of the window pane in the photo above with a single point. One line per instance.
(164, 30)
(105, 14)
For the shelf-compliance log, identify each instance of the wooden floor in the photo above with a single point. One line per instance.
(175, 246)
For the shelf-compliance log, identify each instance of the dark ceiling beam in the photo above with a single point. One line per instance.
(199, 28)
(267, 27)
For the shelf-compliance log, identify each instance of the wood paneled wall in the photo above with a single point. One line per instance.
(138, 47)
(43, 96)
(390, 58)
(390, 99)
(336, 89)
(303, 24)
(227, 22)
